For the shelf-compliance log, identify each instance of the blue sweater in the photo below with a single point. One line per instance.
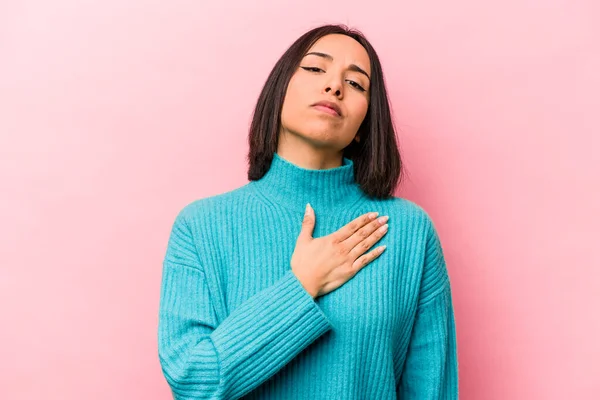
(234, 320)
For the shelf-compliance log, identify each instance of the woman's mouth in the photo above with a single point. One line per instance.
(327, 110)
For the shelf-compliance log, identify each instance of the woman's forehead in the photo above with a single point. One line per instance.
(342, 48)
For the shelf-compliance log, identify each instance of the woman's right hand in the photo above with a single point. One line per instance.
(326, 263)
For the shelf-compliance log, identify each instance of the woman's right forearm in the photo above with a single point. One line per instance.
(205, 358)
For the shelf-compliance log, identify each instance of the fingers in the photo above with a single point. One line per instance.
(369, 242)
(365, 259)
(353, 226)
(308, 223)
(366, 236)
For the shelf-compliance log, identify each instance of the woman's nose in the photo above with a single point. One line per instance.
(337, 91)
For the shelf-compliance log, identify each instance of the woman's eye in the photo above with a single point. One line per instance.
(352, 83)
(356, 85)
(312, 69)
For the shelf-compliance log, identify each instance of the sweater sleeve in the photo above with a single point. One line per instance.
(203, 358)
(431, 365)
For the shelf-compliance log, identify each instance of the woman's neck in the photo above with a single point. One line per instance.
(292, 186)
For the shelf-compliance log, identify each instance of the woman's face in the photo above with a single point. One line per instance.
(335, 69)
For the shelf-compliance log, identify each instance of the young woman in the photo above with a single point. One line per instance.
(264, 296)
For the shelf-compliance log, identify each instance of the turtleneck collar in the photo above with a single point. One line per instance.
(292, 186)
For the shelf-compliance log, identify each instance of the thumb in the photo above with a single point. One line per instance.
(308, 223)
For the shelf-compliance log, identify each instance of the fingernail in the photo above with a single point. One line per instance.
(383, 219)
(373, 215)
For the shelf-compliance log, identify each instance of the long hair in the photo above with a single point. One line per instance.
(377, 164)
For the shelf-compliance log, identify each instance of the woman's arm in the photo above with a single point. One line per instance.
(431, 365)
(204, 358)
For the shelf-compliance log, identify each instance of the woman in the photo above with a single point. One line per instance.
(265, 296)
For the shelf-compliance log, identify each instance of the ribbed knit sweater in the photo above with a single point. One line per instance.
(235, 321)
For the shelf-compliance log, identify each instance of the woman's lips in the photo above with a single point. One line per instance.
(327, 110)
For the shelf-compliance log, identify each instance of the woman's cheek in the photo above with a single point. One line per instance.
(360, 111)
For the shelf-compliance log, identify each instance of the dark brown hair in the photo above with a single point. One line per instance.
(377, 165)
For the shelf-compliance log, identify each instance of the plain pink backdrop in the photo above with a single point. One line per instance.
(115, 114)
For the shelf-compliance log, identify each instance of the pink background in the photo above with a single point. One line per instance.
(115, 114)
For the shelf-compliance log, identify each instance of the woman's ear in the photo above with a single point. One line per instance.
(357, 138)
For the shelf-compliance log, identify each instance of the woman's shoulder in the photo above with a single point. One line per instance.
(404, 209)
(211, 206)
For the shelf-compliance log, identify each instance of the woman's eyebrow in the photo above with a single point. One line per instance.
(351, 67)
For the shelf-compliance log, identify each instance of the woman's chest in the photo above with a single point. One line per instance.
(378, 299)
